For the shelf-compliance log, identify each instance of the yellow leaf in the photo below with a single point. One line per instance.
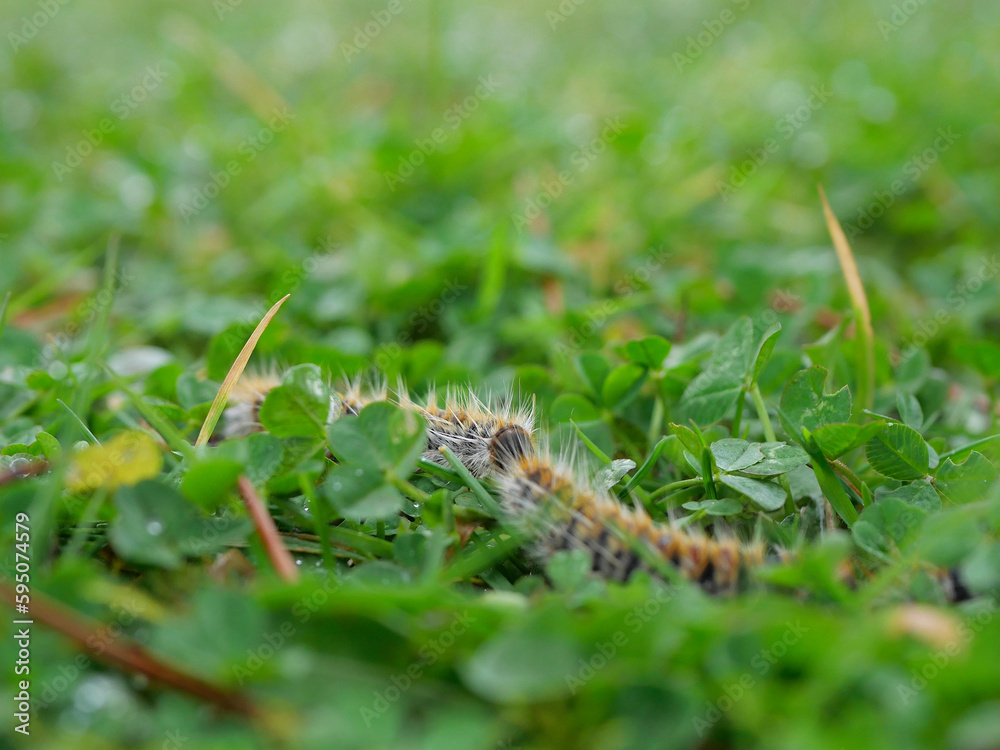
(126, 459)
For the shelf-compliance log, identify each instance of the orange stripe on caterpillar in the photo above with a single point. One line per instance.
(564, 513)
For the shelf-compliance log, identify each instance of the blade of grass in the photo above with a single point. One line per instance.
(969, 446)
(226, 389)
(768, 429)
(601, 455)
(828, 480)
(681, 484)
(439, 471)
(84, 525)
(862, 312)
(643, 470)
(352, 539)
(493, 277)
(708, 473)
(98, 334)
(415, 494)
(83, 425)
(472, 483)
(482, 557)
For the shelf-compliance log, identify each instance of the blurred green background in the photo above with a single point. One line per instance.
(475, 193)
(728, 115)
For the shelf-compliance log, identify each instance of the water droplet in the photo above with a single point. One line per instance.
(337, 486)
(154, 528)
(359, 472)
(93, 694)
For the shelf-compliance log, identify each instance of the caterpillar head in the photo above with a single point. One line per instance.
(510, 446)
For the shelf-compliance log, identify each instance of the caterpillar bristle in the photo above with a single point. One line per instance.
(488, 437)
(565, 513)
(254, 385)
(355, 394)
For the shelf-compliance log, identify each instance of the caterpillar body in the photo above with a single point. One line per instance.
(565, 513)
(486, 436)
(494, 438)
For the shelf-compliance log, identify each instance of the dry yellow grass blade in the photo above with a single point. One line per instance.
(234, 375)
(864, 398)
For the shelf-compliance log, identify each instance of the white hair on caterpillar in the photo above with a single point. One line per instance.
(487, 435)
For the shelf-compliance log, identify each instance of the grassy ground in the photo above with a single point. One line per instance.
(497, 195)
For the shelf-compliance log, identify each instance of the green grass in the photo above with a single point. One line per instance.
(593, 207)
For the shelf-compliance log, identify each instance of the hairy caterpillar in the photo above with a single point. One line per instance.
(493, 437)
(565, 513)
(487, 436)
